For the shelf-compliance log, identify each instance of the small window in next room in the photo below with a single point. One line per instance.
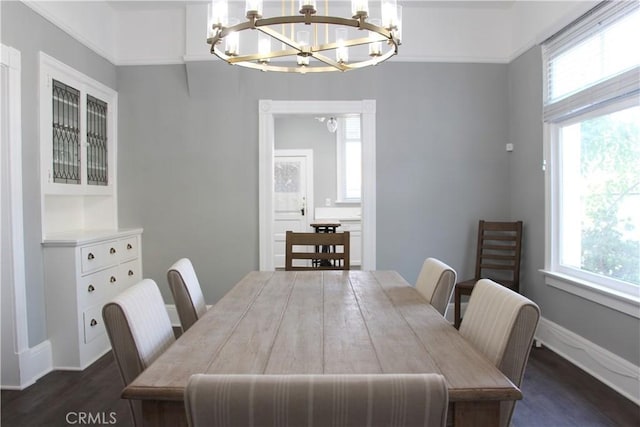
(592, 121)
(349, 156)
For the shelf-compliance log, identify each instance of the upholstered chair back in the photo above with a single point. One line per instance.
(187, 292)
(320, 400)
(435, 282)
(139, 329)
(501, 324)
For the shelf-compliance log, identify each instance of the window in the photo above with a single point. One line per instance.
(349, 160)
(592, 116)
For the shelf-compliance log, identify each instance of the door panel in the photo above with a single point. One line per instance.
(290, 198)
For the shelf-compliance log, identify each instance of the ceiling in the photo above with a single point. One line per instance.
(170, 32)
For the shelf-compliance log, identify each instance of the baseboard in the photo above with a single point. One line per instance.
(34, 363)
(173, 315)
(614, 371)
(450, 313)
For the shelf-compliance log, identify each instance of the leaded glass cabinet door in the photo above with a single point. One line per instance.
(78, 128)
(66, 145)
(97, 147)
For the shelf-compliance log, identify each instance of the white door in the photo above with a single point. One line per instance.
(292, 197)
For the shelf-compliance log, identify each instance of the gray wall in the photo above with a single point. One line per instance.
(29, 33)
(305, 132)
(608, 328)
(188, 165)
(188, 160)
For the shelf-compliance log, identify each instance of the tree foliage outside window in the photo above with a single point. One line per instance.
(609, 194)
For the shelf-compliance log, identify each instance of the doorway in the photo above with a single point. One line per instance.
(268, 111)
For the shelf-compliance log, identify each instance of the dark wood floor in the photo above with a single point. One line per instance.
(556, 394)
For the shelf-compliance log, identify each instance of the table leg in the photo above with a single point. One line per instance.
(163, 413)
(473, 414)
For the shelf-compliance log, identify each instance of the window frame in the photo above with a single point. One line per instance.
(590, 102)
(341, 144)
(607, 291)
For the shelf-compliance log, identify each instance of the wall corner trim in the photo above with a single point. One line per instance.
(35, 363)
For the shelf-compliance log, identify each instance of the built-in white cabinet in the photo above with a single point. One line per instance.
(87, 258)
(83, 271)
(78, 144)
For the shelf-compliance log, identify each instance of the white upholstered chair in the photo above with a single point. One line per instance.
(187, 292)
(501, 324)
(139, 329)
(319, 400)
(436, 282)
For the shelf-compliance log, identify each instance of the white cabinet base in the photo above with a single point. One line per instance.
(84, 270)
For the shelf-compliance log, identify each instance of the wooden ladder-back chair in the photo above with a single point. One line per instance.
(497, 258)
(323, 249)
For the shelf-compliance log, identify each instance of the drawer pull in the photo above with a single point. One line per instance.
(94, 322)
(112, 279)
(91, 288)
(112, 251)
(90, 256)
(129, 247)
(130, 272)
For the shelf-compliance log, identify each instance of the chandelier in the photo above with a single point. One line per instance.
(306, 39)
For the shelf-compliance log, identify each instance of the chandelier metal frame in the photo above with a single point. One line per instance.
(308, 16)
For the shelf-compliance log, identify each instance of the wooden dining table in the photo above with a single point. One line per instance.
(324, 322)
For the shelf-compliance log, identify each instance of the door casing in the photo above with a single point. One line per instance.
(268, 110)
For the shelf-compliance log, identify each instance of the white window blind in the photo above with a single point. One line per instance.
(594, 61)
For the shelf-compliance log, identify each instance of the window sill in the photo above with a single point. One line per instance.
(618, 301)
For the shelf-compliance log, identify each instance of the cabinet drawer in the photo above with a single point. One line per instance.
(351, 226)
(95, 287)
(130, 273)
(129, 248)
(93, 323)
(99, 256)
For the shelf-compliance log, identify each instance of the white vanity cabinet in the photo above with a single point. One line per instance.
(355, 230)
(83, 270)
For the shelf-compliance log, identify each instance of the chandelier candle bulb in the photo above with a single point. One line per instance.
(302, 37)
(264, 47)
(232, 41)
(375, 48)
(254, 9)
(308, 6)
(359, 8)
(210, 30)
(397, 24)
(342, 52)
(389, 10)
(219, 13)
